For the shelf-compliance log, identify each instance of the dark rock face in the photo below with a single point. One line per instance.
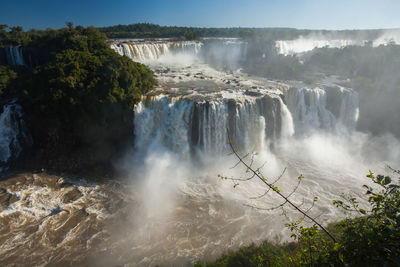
(333, 100)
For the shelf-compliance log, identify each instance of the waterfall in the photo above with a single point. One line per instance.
(220, 53)
(150, 51)
(332, 108)
(304, 44)
(224, 53)
(13, 133)
(307, 43)
(189, 127)
(14, 56)
(196, 117)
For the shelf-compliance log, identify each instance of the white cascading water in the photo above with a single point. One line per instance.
(186, 127)
(302, 44)
(15, 56)
(225, 53)
(145, 52)
(12, 131)
(333, 109)
(305, 44)
(183, 126)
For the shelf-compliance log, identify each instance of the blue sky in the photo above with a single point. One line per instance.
(310, 14)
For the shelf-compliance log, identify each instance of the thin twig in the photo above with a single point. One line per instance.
(271, 186)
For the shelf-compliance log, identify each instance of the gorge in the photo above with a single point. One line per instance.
(169, 206)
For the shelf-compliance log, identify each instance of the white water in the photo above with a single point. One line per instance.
(390, 36)
(307, 43)
(147, 52)
(183, 126)
(15, 56)
(12, 132)
(226, 53)
(314, 108)
(303, 44)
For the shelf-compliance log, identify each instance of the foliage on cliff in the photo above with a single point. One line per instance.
(78, 92)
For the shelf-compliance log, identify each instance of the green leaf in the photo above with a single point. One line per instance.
(387, 180)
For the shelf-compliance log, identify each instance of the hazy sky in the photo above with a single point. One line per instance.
(312, 14)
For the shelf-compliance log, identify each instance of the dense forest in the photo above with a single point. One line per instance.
(77, 93)
(147, 30)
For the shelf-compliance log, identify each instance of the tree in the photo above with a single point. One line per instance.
(78, 93)
(70, 25)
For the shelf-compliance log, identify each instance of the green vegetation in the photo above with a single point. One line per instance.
(7, 76)
(373, 239)
(79, 93)
(148, 30)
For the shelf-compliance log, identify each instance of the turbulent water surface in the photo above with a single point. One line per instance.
(170, 207)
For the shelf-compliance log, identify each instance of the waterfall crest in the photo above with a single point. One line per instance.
(150, 51)
(190, 127)
(187, 126)
(226, 53)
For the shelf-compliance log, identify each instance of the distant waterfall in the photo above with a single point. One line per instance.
(147, 51)
(307, 43)
(226, 53)
(13, 132)
(333, 109)
(12, 55)
(304, 44)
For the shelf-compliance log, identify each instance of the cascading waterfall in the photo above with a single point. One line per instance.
(220, 53)
(13, 133)
(12, 55)
(334, 109)
(151, 51)
(187, 127)
(190, 127)
(305, 44)
(302, 45)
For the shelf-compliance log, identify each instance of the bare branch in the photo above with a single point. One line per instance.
(276, 190)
